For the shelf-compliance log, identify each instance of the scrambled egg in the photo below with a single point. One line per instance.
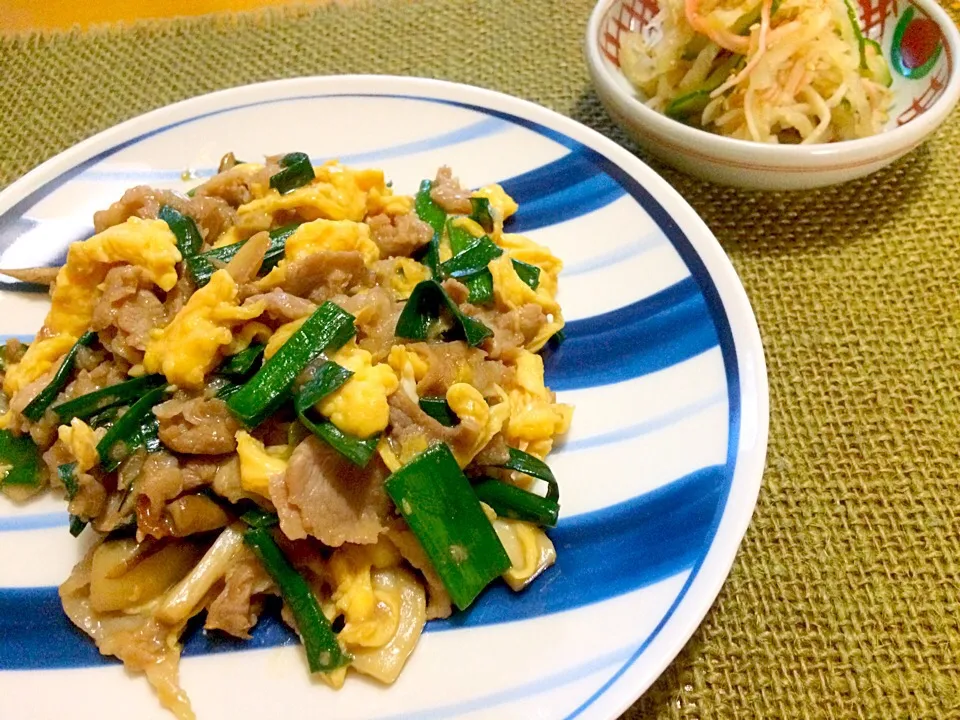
(258, 463)
(406, 592)
(380, 198)
(529, 549)
(331, 235)
(281, 335)
(500, 202)
(359, 407)
(337, 193)
(379, 201)
(231, 236)
(471, 226)
(148, 244)
(82, 441)
(484, 421)
(244, 336)
(405, 274)
(38, 360)
(311, 202)
(525, 250)
(511, 292)
(372, 615)
(192, 344)
(534, 416)
(410, 367)
(396, 455)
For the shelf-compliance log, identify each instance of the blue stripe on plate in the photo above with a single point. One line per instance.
(10, 218)
(600, 555)
(573, 168)
(646, 427)
(522, 691)
(22, 337)
(728, 349)
(617, 255)
(36, 521)
(566, 204)
(566, 188)
(649, 335)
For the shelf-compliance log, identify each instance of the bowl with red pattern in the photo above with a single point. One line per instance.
(917, 38)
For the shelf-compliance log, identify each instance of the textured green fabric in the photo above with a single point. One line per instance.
(844, 600)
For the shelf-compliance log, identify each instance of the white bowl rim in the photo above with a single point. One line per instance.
(889, 143)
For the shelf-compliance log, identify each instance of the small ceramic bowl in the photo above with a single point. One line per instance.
(918, 38)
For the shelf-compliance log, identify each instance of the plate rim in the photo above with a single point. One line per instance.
(617, 694)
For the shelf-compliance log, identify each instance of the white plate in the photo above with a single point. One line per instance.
(658, 478)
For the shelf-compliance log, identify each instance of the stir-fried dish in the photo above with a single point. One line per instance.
(294, 387)
(777, 71)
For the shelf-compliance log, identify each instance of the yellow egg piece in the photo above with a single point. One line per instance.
(148, 244)
(367, 179)
(499, 200)
(82, 441)
(409, 367)
(319, 235)
(406, 274)
(230, 236)
(371, 616)
(281, 335)
(384, 201)
(380, 197)
(412, 446)
(526, 250)
(511, 292)
(335, 194)
(508, 289)
(468, 404)
(244, 336)
(39, 358)
(470, 225)
(193, 343)
(529, 549)
(258, 463)
(472, 409)
(534, 416)
(359, 407)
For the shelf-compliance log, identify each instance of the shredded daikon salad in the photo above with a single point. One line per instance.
(796, 71)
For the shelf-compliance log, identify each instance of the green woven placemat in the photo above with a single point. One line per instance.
(844, 600)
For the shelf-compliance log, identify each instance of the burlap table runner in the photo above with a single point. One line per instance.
(844, 600)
